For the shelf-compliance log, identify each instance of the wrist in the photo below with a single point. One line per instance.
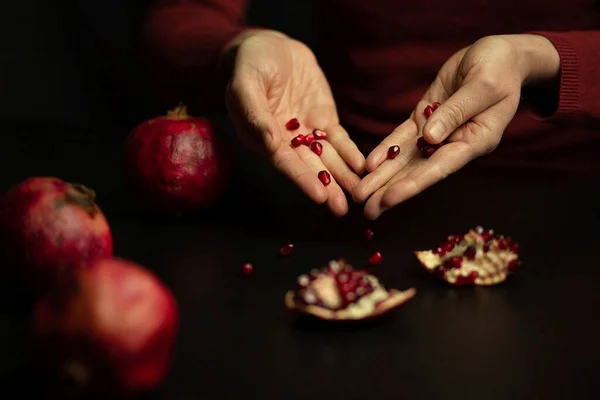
(229, 51)
(538, 58)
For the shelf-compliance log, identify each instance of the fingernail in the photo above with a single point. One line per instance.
(437, 130)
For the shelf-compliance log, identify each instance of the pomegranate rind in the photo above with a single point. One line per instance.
(395, 299)
(491, 267)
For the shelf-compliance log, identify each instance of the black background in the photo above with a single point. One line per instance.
(70, 90)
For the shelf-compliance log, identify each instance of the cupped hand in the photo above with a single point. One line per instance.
(274, 79)
(479, 90)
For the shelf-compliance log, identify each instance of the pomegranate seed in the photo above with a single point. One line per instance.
(317, 148)
(479, 229)
(324, 177)
(298, 140)
(421, 143)
(454, 262)
(287, 249)
(428, 151)
(468, 279)
(319, 134)
(486, 248)
(502, 245)
(428, 111)
(303, 281)
(292, 124)
(369, 233)
(444, 248)
(308, 139)
(393, 151)
(513, 265)
(435, 105)
(247, 269)
(470, 253)
(376, 258)
(515, 248)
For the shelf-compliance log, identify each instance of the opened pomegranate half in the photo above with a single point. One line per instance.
(479, 257)
(339, 292)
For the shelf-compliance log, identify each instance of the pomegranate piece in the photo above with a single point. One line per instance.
(478, 257)
(319, 134)
(297, 141)
(308, 139)
(340, 293)
(376, 258)
(435, 105)
(428, 111)
(324, 177)
(292, 124)
(177, 163)
(287, 249)
(369, 234)
(317, 148)
(49, 226)
(111, 334)
(393, 151)
(247, 269)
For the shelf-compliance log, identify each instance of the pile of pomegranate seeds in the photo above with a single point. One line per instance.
(393, 151)
(479, 257)
(376, 258)
(287, 249)
(324, 177)
(337, 291)
(292, 124)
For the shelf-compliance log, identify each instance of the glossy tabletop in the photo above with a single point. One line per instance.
(533, 337)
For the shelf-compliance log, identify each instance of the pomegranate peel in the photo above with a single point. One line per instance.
(479, 257)
(337, 292)
(50, 226)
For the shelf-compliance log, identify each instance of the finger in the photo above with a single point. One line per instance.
(400, 135)
(385, 172)
(342, 173)
(347, 149)
(336, 200)
(287, 161)
(444, 162)
(471, 99)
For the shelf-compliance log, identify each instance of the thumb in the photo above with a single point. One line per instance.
(467, 102)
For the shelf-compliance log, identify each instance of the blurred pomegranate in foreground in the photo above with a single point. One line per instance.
(176, 163)
(48, 226)
(110, 334)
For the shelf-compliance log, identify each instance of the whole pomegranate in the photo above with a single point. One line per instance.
(111, 333)
(175, 163)
(48, 226)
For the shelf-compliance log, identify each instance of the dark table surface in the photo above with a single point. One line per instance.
(533, 337)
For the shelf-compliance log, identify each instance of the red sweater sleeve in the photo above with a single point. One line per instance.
(184, 40)
(579, 87)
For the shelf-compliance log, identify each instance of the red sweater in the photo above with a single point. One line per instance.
(380, 56)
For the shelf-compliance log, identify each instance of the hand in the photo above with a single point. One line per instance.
(274, 79)
(479, 90)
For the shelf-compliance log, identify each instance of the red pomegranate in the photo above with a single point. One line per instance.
(176, 163)
(111, 334)
(47, 226)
